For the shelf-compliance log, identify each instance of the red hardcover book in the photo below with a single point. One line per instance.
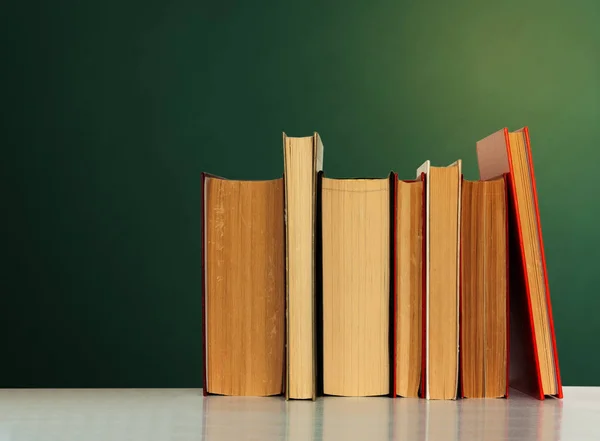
(534, 367)
(398, 215)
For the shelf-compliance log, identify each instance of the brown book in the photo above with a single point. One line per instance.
(244, 286)
(484, 301)
(410, 229)
(442, 260)
(356, 259)
(303, 159)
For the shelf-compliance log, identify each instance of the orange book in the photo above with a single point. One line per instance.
(243, 292)
(534, 367)
(408, 291)
(484, 306)
(440, 305)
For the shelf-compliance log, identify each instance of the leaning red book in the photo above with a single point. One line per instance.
(534, 367)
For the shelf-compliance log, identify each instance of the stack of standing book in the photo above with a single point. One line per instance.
(434, 287)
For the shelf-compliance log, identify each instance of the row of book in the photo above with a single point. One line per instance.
(434, 287)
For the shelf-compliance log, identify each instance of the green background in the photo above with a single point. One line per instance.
(112, 109)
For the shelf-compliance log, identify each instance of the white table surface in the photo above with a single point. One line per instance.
(184, 414)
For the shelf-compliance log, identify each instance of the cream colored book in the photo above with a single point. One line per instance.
(356, 257)
(442, 280)
(303, 159)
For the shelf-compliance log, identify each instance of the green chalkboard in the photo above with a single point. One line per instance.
(111, 109)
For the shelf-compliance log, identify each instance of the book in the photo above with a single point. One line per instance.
(484, 289)
(357, 266)
(243, 267)
(442, 287)
(303, 159)
(409, 242)
(534, 367)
